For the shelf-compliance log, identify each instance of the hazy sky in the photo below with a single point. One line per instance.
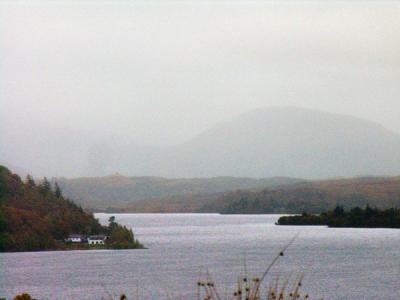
(162, 71)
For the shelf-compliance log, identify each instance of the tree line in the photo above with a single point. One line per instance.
(340, 217)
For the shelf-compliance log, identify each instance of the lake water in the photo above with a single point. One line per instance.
(338, 263)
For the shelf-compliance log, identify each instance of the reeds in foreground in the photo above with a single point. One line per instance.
(247, 290)
(250, 288)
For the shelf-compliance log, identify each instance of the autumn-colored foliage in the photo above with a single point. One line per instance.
(23, 296)
(313, 197)
(33, 217)
(305, 196)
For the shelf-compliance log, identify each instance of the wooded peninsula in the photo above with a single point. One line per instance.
(37, 217)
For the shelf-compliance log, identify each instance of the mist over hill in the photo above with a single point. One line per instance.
(287, 142)
(280, 141)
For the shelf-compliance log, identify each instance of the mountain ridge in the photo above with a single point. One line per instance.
(289, 142)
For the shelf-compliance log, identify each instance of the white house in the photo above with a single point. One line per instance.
(76, 238)
(96, 239)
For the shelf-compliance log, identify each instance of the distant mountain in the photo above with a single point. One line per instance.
(117, 191)
(281, 141)
(287, 142)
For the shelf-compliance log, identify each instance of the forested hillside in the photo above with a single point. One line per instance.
(312, 197)
(116, 191)
(33, 217)
(308, 196)
(38, 217)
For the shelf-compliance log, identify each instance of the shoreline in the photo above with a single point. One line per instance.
(74, 249)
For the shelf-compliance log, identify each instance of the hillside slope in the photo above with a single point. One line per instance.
(306, 196)
(312, 197)
(116, 191)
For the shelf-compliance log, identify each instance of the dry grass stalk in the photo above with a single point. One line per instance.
(247, 289)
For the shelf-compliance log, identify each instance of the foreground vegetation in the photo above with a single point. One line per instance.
(36, 217)
(257, 288)
(355, 217)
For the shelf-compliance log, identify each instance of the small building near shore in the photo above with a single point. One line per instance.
(76, 238)
(96, 239)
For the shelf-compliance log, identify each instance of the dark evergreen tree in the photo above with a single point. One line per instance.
(45, 186)
(30, 181)
(57, 190)
(338, 211)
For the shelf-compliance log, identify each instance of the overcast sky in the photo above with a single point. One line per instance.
(162, 71)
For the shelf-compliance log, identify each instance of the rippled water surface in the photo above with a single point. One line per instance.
(337, 263)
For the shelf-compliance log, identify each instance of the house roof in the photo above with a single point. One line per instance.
(97, 237)
(76, 236)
